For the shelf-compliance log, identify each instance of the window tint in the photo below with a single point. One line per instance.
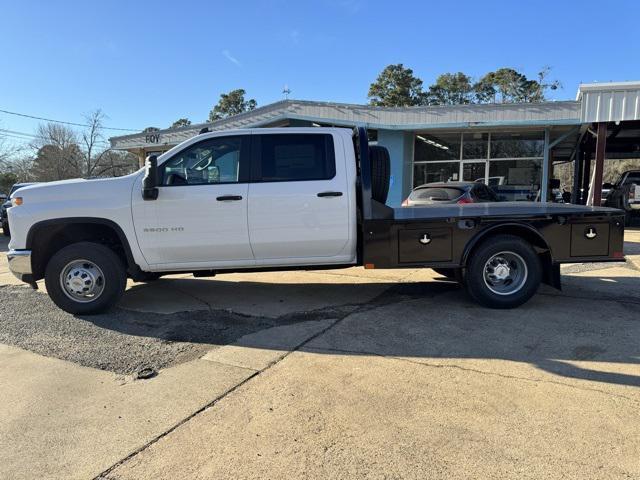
(209, 162)
(296, 157)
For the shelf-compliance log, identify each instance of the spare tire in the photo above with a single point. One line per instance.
(380, 172)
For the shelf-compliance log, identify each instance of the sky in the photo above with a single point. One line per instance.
(148, 63)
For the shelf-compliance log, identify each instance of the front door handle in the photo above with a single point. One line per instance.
(225, 198)
(330, 194)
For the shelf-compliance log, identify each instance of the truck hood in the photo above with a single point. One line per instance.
(75, 189)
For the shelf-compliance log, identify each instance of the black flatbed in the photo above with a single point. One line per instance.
(497, 209)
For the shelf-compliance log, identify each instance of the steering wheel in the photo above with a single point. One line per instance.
(199, 168)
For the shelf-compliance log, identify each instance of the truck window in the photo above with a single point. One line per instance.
(436, 193)
(295, 157)
(209, 162)
(632, 178)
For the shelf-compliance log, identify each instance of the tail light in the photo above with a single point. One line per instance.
(464, 200)
(405, 202)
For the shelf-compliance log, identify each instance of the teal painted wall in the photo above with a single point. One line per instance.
(400, 146)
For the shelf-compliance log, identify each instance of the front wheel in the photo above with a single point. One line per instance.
(504, 272)
(85, 278)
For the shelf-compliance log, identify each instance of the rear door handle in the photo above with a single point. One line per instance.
(225, 198)
(330, 194)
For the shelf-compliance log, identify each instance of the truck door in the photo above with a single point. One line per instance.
(200, 216)
(299, 199)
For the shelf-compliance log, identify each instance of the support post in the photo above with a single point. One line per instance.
(586, 176)
(601, 146)
(544, 187)
(577, 170)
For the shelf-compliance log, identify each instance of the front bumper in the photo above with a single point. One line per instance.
(20, 264)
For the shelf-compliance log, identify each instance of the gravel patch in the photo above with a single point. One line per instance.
(120, 341)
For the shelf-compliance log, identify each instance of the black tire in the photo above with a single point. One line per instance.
(5, 229)
(114, 277)
(480, 290)
(380, 172)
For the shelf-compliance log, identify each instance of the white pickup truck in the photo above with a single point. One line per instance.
(291, 198)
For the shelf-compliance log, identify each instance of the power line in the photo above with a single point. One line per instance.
(66, 123)
(22, 135)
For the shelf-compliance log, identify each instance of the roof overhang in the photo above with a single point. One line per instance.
(514, 115)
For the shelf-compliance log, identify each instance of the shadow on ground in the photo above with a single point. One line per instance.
(428, 320)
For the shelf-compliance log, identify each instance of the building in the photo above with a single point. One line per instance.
(512, 147)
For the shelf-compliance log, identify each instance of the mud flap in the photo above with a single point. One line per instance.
(552, 276)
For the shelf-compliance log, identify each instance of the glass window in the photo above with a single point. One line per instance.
(435, 172)
(517, 145)
(430, 147)
(475, 146)
(212, 161)
(632, 178)
(473, 171)
(515, 179)
(296, 157)
(436, 193)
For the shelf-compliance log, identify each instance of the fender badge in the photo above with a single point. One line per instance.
(425, 239)
(590, 233)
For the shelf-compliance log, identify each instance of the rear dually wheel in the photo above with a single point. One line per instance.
(503, 272)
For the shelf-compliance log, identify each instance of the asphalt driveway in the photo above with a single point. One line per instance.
(342, 374)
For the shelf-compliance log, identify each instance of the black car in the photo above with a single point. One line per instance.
(450, 192)
(7, 204)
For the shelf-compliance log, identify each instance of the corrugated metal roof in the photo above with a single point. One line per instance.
(609, 102)
(408, 118)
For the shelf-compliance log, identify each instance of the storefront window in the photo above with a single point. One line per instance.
(435, 172)
(429, 148)
(515, 180)
(475, 146)
(517, 145)
(510, 162)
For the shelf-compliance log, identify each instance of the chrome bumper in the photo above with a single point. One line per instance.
(20, 264)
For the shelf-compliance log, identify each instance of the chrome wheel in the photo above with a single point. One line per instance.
(505, 273)
(82, 281)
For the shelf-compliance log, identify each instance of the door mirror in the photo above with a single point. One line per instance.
(150, 180)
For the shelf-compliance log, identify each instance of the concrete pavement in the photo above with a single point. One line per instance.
(347, 374)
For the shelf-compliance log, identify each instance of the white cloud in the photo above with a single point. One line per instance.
(231, 58)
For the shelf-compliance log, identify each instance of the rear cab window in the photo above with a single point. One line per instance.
(436, 193)
(293, 157)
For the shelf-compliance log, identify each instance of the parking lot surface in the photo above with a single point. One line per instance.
(328, 374)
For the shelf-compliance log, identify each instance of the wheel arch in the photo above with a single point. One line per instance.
(551, 270)
(46, 237)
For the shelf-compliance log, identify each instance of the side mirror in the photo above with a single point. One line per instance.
(150, 180)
